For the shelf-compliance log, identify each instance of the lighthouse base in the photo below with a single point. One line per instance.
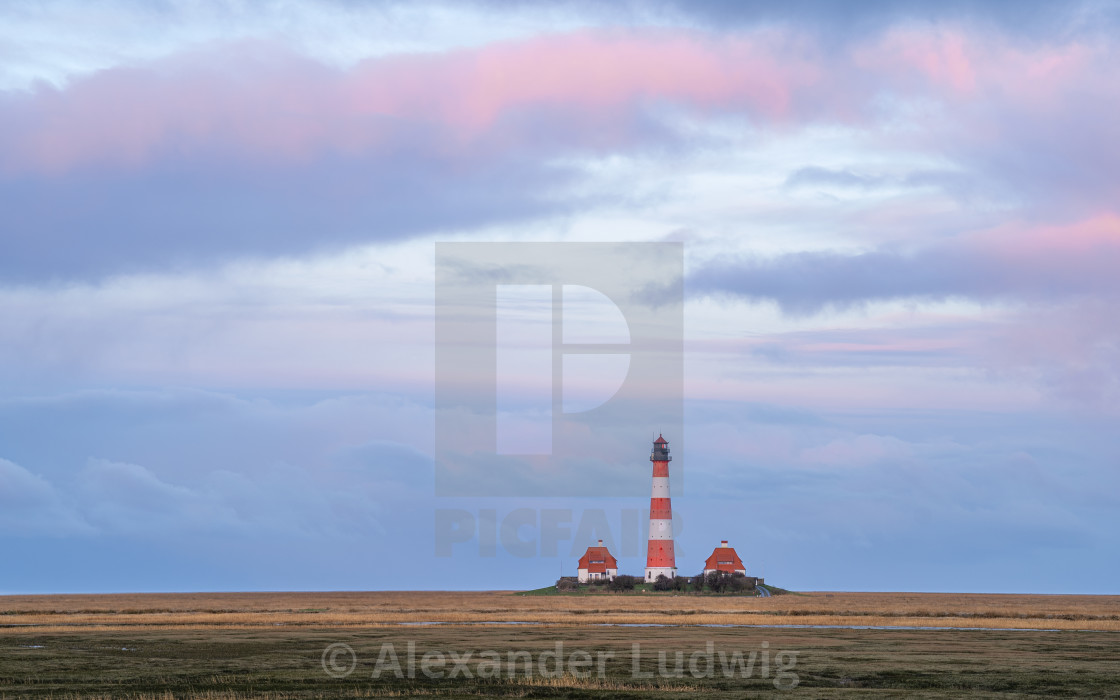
(653, 572)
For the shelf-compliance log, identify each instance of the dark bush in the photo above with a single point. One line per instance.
(663, 583)
(622, 582)
(737, 583)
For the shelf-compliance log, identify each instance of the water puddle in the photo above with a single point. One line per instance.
(426, 623)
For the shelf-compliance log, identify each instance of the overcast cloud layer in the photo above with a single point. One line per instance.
(216, 271)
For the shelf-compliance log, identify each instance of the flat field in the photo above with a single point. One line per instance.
(279, 645)
(252, 610)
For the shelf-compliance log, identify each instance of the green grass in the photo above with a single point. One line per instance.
(774, 590)
(547, 590)
(287, 663)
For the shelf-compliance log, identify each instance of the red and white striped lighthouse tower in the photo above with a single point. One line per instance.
(660, 558)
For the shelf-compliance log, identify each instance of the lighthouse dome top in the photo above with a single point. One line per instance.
(661, 440)
(660, 450)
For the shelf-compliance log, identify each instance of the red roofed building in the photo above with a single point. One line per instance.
(724, 559)
(597, 563)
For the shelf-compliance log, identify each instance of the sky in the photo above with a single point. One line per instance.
(900, 224)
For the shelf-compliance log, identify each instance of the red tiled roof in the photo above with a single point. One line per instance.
(597, 560)
(724, 559)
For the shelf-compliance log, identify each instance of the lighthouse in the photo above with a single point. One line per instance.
(660, 559)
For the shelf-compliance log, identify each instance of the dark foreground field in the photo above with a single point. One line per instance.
(254, 656)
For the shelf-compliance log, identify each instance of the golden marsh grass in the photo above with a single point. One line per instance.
(379, 609)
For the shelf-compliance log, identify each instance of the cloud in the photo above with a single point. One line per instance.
(251, 149)
(1070, 351)
(189, 432)
(1012, 262)
(261, 102)
(841, 23)
(318, 323)
(865, 488)
(59, 40)
(109, 499)
(811, 175)
(192, 463)
(1021, 310)
(123, 498)
(190, 215)
(30, 506)
(858, 450)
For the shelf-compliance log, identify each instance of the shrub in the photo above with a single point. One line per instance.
(623, 582)
(663, 583)
(736, 583)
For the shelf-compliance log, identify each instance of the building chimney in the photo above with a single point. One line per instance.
(600, 543)
(723, 543)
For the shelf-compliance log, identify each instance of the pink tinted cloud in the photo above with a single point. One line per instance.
(945, 58)
(243, 99)
(579, 89)
(270, 104)
(1080, 256)
(964, 65)
(1019, 261)
(1090, 235)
